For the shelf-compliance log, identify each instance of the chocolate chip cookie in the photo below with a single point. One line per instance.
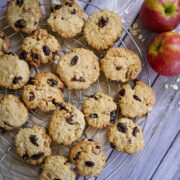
(79, 68)
(67, 124)
(102, 29)
(100, 110)
(66, 19)
(126, 136)
(14, 72)
(23, 15)
(33, 144)
(4, 43)
(56, 167)
(88, 157)
(120, 65)
(45, 92)
(136, 99)
(13, 113)
(40, 48)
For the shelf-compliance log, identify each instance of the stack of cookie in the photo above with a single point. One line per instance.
(76, 70)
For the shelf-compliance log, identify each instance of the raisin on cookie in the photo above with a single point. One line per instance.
(66, 19)
(120, 65)
(56, 167)
(33, 144)
(4, 43)
(79, 68)
(13, 113)
(88, 157)
(40, 48)
(66, 125)
(100, 110)
(14, 72)
(126, 136)
(45, 92)
(102, 29)
(136, 99)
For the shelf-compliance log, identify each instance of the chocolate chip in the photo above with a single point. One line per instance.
(23, 55)
(94, 97)
(135, 131)
(46, 50)
(69, 120)
(103, 22)
(31, 96)
(16, 79)
(122, 127)
(68, 4)
(31, 80)
(73, 11)
(10, 53)
(89, 163)
(137, 98)
(2, 36)
(93, 116)
(34, 139)
(76, 157)
(57, 6)
(58, 105)
(122, 92)
(34, 56)
(37, 156)
(19, 2)
(118, 68)
(25, 157)
(112, 145)
(90, 140)
(74, 60)
(54, 55)
(7, 124)
(133, 83)
(21, 23)
(113, 116)
(98, 147)
(52, 82)
(80, 79)
(56, 179)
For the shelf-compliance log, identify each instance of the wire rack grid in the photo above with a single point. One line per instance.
(15, 165)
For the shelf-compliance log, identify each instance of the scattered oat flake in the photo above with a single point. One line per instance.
(178, 80)
(175, 86)
(135, 26)
(166, 86)
(179, 103)
(134, 33)
(126, 12)
(140, 36)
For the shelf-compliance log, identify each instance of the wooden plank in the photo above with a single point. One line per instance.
(161, 128)
(170, 166)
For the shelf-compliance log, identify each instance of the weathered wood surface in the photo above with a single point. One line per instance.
(160, 159)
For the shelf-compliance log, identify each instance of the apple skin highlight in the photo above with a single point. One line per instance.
(164, 54)
(160, 15)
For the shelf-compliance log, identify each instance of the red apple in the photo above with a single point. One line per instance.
(164, 54)
(160, 15)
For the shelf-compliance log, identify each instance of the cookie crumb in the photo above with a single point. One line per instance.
(166, 86)
(178, 80)
(175, 86)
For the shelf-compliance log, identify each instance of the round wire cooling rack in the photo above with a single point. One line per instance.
(13, 167)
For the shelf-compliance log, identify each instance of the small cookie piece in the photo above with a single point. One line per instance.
(40, 48)
(66, 125)
(126, 136)
(78, 68)
(57, 167)
(23, 15)
(13, 113)
(102, 29)
(66, 19)
(100, 110)
(88, 157)
(14, 72)
(33, 144)
(136, 99)
(120, 64)
(46, 92)
(4, 43)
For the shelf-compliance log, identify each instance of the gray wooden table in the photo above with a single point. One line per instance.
(161, 157)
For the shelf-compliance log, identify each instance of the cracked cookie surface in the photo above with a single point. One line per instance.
(120, 64)
(67, 124)
(45, 92)
(126, 136)
(33, 144)
(88, 157)
(79, 68)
